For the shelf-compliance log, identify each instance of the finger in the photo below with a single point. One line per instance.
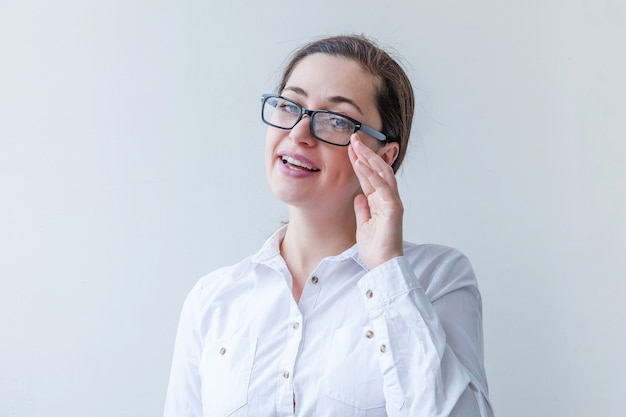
(361, 171)
(372, 182)
(371, 179)
(374, 161)
(366, 177)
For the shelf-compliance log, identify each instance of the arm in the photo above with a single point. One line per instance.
(432, 362)
(183, 392)
(432, 356)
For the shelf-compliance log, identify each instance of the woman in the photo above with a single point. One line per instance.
(335, 315)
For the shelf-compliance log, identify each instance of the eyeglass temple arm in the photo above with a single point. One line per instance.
(374, 133)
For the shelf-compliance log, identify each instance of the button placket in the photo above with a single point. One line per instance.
(293, 328)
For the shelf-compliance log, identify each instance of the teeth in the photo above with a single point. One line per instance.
(295, 162)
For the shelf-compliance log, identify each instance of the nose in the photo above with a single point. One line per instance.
(301, 132)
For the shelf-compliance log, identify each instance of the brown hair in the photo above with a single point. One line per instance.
(394, 95)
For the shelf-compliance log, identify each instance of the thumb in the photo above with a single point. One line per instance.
(361, 209)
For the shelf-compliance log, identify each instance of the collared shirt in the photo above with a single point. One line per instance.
(403, 339)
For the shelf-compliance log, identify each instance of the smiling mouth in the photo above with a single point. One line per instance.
(296, 164)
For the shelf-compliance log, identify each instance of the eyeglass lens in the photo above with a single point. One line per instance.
(327, 126)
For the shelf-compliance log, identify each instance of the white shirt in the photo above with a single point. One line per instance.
(403, 339)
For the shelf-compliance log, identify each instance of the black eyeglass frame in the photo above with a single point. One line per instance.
(357, 125)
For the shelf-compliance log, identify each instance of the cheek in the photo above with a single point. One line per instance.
(343, 168)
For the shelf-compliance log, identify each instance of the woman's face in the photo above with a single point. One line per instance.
(327, 182)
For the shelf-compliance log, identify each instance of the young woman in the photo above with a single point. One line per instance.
(335, 315)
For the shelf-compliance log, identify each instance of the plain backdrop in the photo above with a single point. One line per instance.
(131, 164)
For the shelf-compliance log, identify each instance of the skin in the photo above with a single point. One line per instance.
(352, 195)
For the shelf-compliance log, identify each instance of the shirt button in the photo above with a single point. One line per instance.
(369, 294)
(222, 351)
(369, 334)
(296, 325)
(286, 374)
(314, 280)
(383, 348)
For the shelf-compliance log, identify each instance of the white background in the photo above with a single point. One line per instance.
(131, 164)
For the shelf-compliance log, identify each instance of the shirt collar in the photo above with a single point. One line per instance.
(271, 247)
(271, 250)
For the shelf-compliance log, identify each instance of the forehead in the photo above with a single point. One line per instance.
(322, 76)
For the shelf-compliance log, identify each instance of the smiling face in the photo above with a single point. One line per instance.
(303, 171)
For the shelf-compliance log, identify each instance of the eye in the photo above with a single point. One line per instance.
(288, 108)
(341, 124)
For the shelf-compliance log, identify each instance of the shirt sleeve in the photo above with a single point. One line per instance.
(183, 393)
(427, 318)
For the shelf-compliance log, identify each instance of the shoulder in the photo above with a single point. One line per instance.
(440, 269)
(226, 275)
(221, 280)
(433, 255)
(237, 279)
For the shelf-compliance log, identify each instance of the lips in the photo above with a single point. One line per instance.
(298, 162)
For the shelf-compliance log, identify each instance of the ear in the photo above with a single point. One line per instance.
(389, 152)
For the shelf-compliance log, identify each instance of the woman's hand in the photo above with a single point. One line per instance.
(379, 209)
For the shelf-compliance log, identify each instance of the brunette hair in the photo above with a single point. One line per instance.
(394, 93)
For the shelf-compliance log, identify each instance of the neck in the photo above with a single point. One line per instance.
(310, 237)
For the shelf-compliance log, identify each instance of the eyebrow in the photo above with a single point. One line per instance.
(333, 99)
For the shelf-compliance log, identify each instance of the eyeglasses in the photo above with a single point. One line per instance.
(327, 126)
